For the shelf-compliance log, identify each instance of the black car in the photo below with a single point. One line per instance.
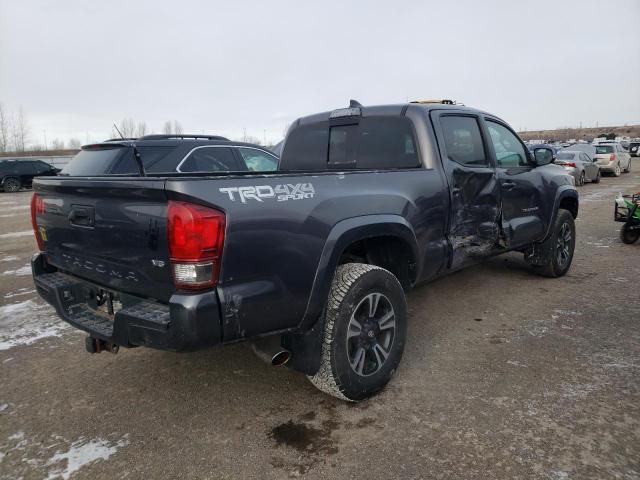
(170, 154)
(16, 174)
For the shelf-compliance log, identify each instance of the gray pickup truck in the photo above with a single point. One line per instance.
(309, 263)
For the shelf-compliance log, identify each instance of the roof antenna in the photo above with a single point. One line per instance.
(354, 103)
(118, 130)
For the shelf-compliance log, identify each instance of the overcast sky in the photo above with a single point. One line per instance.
(222, 67)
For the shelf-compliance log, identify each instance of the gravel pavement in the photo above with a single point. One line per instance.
(506, 375)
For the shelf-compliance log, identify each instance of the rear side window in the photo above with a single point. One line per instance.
(94, 161)
(41, 167)
(463, 141)
(565, 156)
(257, 160)
(602, 149)
(210, 159)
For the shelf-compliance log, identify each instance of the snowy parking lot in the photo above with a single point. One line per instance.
(505, 375)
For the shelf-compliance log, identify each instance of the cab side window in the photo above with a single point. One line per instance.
(462, 141)
(509, 150)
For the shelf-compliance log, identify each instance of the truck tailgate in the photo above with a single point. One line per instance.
(109, 231)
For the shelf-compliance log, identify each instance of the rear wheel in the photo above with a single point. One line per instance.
(629, 236)
(11, 185)
(582, 179)
(617, 170)
(560, 246)
(365, 326)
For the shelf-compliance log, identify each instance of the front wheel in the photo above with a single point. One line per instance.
(559, 246)
(365, 326)
(598, 176)
(628, 169)
(629, 236)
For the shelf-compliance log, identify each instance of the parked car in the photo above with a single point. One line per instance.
(170, 154)
(579, 166)
(309, 263)
(587, 148)
(634, 149)
(612, 158)
(17, 174)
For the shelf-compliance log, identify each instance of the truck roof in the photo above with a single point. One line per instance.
(392, 110)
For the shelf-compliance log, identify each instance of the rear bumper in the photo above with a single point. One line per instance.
(608, 168)
(189, 322)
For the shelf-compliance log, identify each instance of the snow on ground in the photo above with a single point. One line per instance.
(82, 452)
(26, 322)
(19, 272)
(20, 292)
(69, 457)
(25, 233)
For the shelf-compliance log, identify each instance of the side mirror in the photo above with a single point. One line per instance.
(543, 156)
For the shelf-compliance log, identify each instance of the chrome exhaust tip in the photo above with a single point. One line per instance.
(270, 351)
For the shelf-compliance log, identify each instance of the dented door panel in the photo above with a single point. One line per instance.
(473, 229)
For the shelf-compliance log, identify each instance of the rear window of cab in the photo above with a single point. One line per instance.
(382, 142)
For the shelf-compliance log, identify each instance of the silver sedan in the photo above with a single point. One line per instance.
(579, 165)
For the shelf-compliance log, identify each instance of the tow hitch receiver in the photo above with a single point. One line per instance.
(95, 345)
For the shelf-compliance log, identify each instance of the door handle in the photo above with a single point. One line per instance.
(81, 216)
(508, 185)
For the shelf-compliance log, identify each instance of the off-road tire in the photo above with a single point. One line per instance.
(553, 268)
(629, 236)
(352, 283)
(598, 176)
(11, 185)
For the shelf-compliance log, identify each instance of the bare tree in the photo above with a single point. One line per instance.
(4, 130)
(57, 144)
(127, 127)
(170, 128)
(251, 139)
(20, 131)
(74, 143)
(141, 129)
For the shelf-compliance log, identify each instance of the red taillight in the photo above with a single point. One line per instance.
(612, 157)
(37, 207)
(196, 237)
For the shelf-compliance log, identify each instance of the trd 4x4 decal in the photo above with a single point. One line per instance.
(281, 193)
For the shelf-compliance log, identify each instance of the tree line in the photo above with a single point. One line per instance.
(16, 135)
